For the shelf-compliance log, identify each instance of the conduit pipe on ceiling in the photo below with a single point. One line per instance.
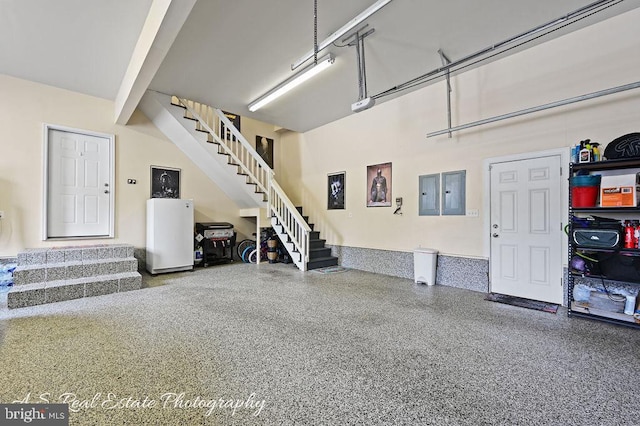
(579, 13)
(539, 108)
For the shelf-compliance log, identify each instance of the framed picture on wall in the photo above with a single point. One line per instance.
(379, 185)
(264, 148)
(165, 182)
(335, 190)
(235, 120)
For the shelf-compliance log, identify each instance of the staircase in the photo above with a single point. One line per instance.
(49, 275)
(319, 255)
(213, 143)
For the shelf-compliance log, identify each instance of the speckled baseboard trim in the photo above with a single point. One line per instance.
(463, 272)
(452, 271)
(386, 262)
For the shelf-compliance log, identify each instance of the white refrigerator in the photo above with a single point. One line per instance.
(169, 235)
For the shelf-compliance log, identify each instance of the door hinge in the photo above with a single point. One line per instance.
(560, 171)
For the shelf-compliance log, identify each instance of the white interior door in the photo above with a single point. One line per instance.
(79, 185)
(526, 229)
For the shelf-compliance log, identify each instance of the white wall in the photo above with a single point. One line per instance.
(25, 106)
(595, 58)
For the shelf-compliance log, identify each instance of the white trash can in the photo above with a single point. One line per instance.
(424, 265)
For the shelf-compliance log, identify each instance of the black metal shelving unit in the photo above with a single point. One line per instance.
(633, 165)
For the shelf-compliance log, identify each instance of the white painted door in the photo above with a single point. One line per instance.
(79, 184)
(526, 229)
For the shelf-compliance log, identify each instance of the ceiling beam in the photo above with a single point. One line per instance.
(163, 23)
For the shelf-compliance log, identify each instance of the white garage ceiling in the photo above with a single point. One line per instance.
(230, 52)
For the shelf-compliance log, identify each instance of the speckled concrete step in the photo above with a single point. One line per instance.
(30, 274)
(56, 291)
(47, 275)
(41, 256)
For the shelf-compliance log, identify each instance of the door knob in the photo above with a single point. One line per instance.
(495, 235)
(106, 191)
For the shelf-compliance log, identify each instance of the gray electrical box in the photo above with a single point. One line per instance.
(429, 201)
(454, 193)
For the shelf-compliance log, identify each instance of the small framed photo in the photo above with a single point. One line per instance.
(379, 185)
(165, 182)
(235, 121)
(336, 186)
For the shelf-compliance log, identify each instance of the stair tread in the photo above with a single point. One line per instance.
(319, 253)
(74, 281)
(73, 263)
(96, 278)
(322, 262)
(319, 259)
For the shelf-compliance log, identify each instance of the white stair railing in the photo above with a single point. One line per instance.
(222, 132)
(225, 134)
(291, 221)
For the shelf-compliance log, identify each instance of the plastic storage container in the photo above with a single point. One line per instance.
(584, 190)
(424, 265)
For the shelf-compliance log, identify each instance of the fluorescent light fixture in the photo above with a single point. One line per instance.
(342, 31)
(287, 85)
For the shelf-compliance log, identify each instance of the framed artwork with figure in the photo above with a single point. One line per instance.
(264, 148)
(379, 185)
(335, 191)
(165, 182)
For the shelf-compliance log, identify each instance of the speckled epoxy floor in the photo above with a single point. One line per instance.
(331, 349)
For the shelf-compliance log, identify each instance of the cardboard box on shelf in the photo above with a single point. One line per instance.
(618, 191)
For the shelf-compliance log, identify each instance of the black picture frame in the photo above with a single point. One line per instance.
(235, 121)
(379, 185)
(165, 182)
(264, 148)
(336, 189)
